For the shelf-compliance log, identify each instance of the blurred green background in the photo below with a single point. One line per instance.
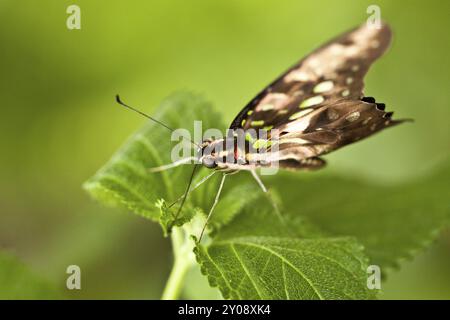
(59, 122)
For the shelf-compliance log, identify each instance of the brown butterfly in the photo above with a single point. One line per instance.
(315, 107)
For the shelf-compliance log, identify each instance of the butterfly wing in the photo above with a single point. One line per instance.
(318, 105)
(331, 73)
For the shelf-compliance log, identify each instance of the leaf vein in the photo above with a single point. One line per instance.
(246, 270)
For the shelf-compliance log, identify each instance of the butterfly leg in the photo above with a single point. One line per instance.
(173, 164)
(259, 181)
(216, 200)
(269, 195)
(198, 184)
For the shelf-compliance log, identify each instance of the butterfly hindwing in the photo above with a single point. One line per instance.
(329, 128)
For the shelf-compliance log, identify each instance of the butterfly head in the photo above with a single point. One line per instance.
(206, 154)
(217, 153)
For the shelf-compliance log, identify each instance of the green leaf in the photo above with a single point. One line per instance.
(286, 268)
(167, 218)
(315, 251)
(125, 180)
(233, 201)
(18, 282)
(259, 256)
(392, 222)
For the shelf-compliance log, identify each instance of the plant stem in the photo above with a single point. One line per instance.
(175, 282)
(183, 261)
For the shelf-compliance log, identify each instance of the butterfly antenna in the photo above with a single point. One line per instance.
(119, 101)
(184, 196)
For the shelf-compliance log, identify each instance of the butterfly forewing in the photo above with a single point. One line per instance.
(318, 105)
(333, 72)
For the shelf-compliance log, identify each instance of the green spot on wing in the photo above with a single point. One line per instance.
(262, 143)
(267, 107)
(257, 123)
(249, 137)
(300, 114)
(312, 101)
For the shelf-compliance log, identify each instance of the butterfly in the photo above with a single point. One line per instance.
(315, 107)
